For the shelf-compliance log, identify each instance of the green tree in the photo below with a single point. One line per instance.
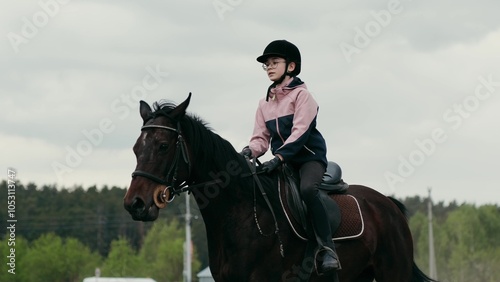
(80, 262)
(466, 245)
(419, 229)
(97, 219)
(487, 254)
(122, 260)
(20, 247)
(46, 251)
(163, 248)
(50, 258)
(465, 235)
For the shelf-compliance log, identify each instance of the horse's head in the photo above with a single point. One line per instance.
(162, 161)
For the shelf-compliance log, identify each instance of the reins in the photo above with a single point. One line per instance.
(256, 182)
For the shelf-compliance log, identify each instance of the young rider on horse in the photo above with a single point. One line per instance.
(286, 120)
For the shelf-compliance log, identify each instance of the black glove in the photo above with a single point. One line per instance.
(271, 165)
(246, 152)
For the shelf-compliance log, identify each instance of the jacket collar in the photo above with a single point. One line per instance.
(276, 90)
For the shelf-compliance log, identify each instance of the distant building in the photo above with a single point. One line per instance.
(117, 279)
(205, 275)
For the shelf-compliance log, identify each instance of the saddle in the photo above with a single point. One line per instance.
(344, 213)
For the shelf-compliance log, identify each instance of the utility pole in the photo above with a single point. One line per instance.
(432, 257)
(187, 245)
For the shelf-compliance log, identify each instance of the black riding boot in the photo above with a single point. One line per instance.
(326, 258)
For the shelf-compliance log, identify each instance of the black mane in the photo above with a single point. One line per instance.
(213, 154)
(211, 151)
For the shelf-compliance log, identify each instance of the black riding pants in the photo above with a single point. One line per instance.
(311, 175)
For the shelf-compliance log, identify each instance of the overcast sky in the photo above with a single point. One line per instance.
(409, 91)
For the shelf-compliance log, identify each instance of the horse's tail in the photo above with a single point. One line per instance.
(401, 206)
(416, 274)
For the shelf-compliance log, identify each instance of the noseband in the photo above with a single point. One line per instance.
(171, 174)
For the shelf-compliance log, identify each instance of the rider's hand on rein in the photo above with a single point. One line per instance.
(271, 165)
(246, 152)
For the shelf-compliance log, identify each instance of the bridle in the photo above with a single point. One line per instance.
(171, 174)
(170, 179)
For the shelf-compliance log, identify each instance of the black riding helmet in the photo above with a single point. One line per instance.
(285, 50)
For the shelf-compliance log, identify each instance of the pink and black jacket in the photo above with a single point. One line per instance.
(287, 121)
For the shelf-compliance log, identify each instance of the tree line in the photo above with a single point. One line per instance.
(64, 234)
(465, 240)
(53, 258)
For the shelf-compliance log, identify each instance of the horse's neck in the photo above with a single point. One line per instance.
(225, 193)
(218, 203)
(222, 214)
(217, 200)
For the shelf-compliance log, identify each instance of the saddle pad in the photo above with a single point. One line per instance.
(352, 224)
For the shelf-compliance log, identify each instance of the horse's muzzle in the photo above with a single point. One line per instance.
(140, 211)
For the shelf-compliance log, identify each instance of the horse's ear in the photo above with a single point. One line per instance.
(180, 110)
(145, 110)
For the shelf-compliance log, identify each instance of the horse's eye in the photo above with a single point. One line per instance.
(163, 147)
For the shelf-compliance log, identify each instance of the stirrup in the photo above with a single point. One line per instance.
(332, 253)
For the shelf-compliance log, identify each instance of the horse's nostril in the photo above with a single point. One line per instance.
(137, 204)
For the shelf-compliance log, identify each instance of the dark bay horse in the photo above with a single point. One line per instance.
(177, 152)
